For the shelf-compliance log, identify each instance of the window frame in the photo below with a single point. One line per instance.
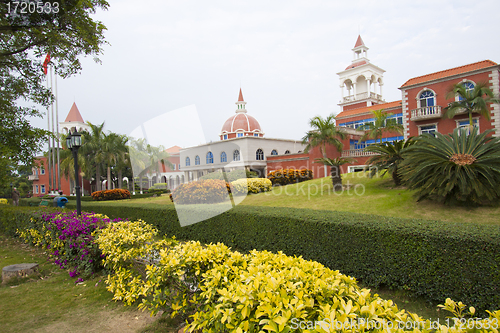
(197, 160)
(236, 155)
(259, 154)
(187, 161)
(223, 157)
(210, 158)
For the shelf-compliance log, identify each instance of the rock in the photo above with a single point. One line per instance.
(18, 270)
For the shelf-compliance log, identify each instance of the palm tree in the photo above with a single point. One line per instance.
(138, 159)
(156, 156)
(382, 123)
(92, 150)
(454, 168)
(389, 157)
(324, 133)
(114, 150)
(470, 100)
(335, 171)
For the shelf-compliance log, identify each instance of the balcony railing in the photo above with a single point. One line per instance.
(363, 95)
(356, 153)
(426, 112)
(33, 177)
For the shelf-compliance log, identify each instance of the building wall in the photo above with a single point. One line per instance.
(440, 89)
(43, 179)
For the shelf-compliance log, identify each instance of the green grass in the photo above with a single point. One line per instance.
(366, 195)
(51, 301)
(369, 196)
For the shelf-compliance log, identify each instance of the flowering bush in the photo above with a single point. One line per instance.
(69, 239)
(289, 176)
(115, 194)
(251, 185)
(201, 191)
(4, 201)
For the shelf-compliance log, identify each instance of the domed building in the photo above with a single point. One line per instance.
(242, 146)
(241, 124)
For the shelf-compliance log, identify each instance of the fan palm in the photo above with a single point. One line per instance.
(93, 152)
(335, 171)
(454, 168)
(323, 133)
(389, 157)
(470, 100)
(381, 124)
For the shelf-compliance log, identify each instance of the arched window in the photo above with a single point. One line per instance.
(287, 152)
(469, 86)
(426, 99)
(236, 155)
(188, 161)
(197, 160)
(274, 152)
(259, 155)
(223, 157)
(210, 158)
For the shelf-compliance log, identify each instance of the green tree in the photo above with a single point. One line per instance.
(323, 133)
(389, 157)
(335, 171)
(381, 124)
(454, 168)
(93, 152)
(470, 101)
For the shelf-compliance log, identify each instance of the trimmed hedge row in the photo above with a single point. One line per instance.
(434, 259)
(289, 176)
(114, 194)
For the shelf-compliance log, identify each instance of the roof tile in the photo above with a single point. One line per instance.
(353, 112)
(449, 72)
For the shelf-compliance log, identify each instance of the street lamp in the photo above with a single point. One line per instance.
(73, 142)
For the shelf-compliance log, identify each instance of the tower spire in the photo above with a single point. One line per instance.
(241, 104)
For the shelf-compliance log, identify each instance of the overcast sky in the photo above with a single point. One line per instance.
(168, 55)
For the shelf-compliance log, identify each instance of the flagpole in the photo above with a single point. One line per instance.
(48, 127)
(57, 127)
(53, 134)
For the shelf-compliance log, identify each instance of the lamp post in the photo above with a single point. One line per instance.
(73, 142)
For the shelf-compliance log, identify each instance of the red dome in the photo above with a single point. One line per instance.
(241, 122)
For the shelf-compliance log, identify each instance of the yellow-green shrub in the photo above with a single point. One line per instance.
(4, 201)
(201, 192)
(251, 185)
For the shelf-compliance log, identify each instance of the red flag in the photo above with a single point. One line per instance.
(45, 63)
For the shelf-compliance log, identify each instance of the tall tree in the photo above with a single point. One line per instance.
(66, 31)
(382, 123)
(92, 149)
(470, 100)
(323, 133)
(114, 150)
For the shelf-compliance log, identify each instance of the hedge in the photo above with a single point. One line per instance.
(433, 259)
(289, 176)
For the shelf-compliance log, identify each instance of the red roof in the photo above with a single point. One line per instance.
(74, 115)
(241, 121)
(359, 42)
(366, 109)
(173, 149)
(240, 98)
(449, 72)
(357, 64)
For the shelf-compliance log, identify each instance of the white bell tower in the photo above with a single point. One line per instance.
(361, 82)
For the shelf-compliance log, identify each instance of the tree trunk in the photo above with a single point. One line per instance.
(120, 181)
(396, 178)
(109, 178)
(98, 177)
(336, 178)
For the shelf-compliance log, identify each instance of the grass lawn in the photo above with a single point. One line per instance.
(369, 196)
(52, 302)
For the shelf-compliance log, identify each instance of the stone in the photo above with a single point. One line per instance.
(18, 270)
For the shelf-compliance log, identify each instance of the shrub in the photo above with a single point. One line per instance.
(457, 168)
(201, 192)
(220, 290)
(68, 238)
(115, 194)
(433, 259)
(4, 201)
(250, 185)
(289, 176)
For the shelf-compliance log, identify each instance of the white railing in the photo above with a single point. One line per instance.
(356, 153)
(33, 177)
(362, 95)
(426, 112)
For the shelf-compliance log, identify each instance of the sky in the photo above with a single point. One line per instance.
(166, 57)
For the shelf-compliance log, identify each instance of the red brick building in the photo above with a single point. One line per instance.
(420, 110)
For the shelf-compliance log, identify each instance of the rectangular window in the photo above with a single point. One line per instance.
(42, 171)
(465, 124)
(428, 129)
(42, 189)
(36, 189)
(255, 134)
(36, 172)
(239, 135)
(173, 167)
(178, 166)
(225, 136)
